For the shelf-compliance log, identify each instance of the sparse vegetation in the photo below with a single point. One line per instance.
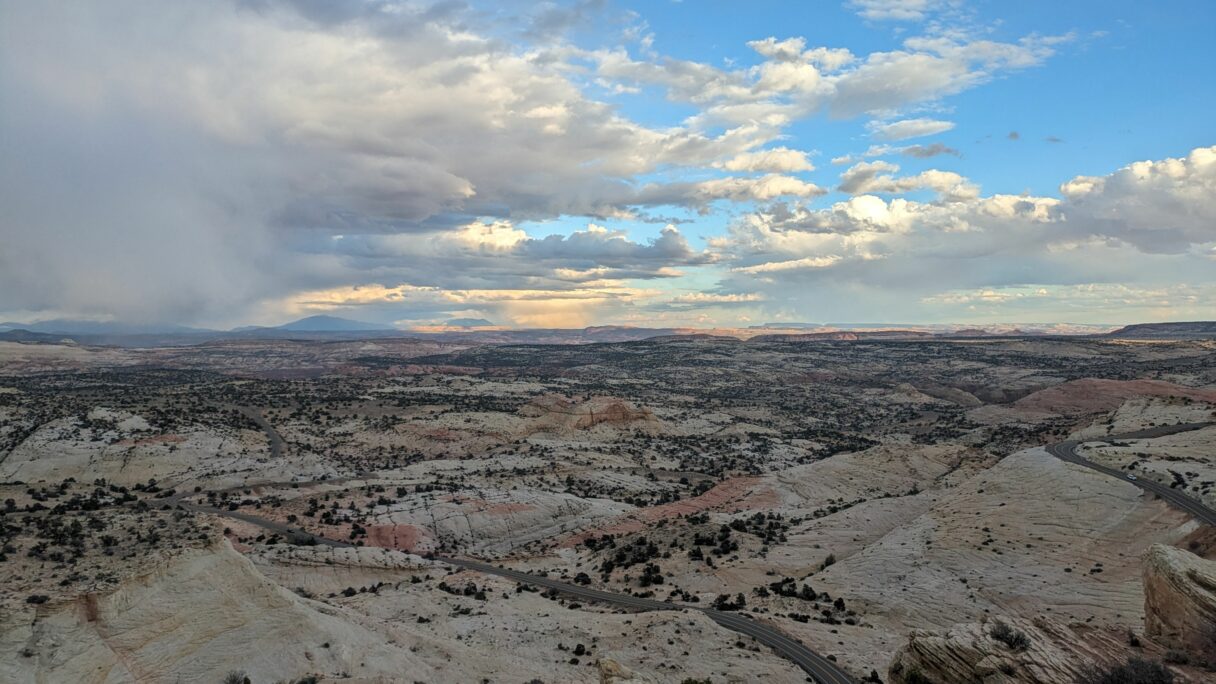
(1134, 671)
(1014, 638)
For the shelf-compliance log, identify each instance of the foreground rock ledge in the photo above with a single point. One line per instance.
(1180, 600)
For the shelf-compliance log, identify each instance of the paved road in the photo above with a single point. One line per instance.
(276, 440)
(1067, 451)
(820, 668)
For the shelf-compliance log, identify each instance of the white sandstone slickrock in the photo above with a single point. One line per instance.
(969, 653)
(1180, 599)
(193, 619)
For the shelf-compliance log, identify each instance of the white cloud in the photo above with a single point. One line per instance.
(776, 160)
(794, 82)
(702, 193)
(804, 262)
(916, 151)
(898, 10)
(787, 50)
(908, 128)
(700, 298)
(232, 154)
(794, 50)
(876, 177)
(1128, 238)
(298, 122)
(1158, 206)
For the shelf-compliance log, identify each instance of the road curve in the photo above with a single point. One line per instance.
(1067, 451)
(818, 667)
(276, 440)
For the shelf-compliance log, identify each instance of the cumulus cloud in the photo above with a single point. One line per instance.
(775, 160)
(793, 82)
(242, 158)
(247, 135)
(794, 50)
(499, 255)
(1147, 223)
(764, 188)
(1164, 206)
(876, 177)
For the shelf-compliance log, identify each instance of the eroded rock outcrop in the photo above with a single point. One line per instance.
(193, 618)
(1034, 652)
(1180, 599)
(556, 412)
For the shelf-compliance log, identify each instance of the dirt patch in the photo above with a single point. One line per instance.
(731, 495)
(409, 538)
(155, 439)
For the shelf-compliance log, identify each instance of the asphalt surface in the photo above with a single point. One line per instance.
(1067, 451)
(821, 669)
(818, 667)
(276, 440)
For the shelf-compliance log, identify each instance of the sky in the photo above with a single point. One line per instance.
(666, 163)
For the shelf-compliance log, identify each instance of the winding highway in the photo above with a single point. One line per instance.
(276, 440)
(818, 667)
(1067, 451)
(821, 669)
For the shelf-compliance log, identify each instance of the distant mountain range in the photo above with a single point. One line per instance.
(326, 324)
(468, 323)
(68, 326)
(481, 331)
(1180, 330)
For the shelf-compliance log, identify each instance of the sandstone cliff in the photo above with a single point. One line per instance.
(1051, 653)
(1180, 600)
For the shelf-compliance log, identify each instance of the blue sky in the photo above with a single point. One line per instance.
(608, 162)
(1131, 65)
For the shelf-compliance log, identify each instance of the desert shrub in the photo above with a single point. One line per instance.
(1176, 657)
(236, 677)
(1134, 671)
(1015, 639)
